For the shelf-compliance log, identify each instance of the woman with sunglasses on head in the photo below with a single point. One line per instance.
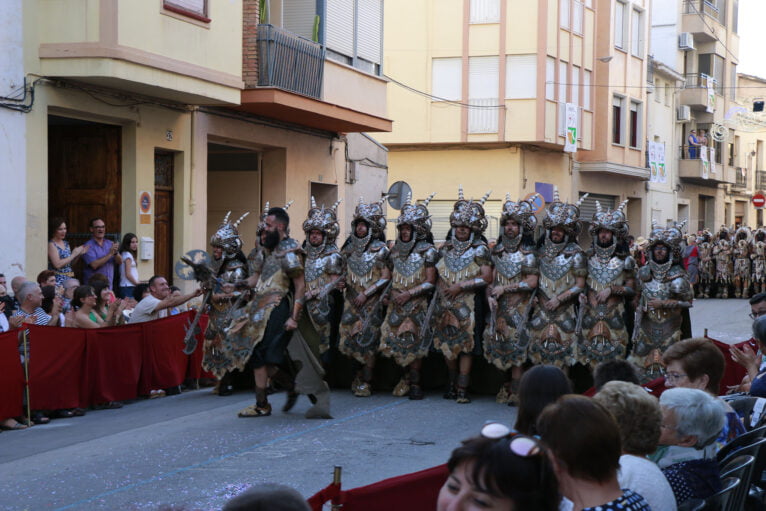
(84, 301)
(499, 470)
(584, 443)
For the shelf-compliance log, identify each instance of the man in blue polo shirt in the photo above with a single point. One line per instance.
(102, 255)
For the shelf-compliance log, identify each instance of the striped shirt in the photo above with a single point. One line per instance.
(41, 318)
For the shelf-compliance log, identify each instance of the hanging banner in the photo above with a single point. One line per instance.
(571, 126)
(705, 162)
(710, 95)
(654, 175)
(663, 174)
(711, 157)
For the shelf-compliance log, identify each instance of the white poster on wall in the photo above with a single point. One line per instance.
(661, 170)
(571, 128)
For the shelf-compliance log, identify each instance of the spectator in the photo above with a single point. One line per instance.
(540, 386)
(751, 360)
(693, 145)
(86, 316)
(128, 269)
(46, 278)
(104, 297)
(175, 291)
(499, 470)
(691, 258)
(30, 298)
(268, 497)
(101, 254)
(699, 364)
(585, 446)
(5, 298)
(49, 299)
(154, 305)
(4, 325)
(703, 138)
(60, 255)
(639, 418)
(691, 421)
(16, 283)
(614, 370)
(69, 286)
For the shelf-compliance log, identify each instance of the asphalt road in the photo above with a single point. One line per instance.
(192, 451)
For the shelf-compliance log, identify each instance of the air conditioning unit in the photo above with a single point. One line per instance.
(684, 113)
(685, 41)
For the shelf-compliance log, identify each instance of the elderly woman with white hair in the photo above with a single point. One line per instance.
(691, 421)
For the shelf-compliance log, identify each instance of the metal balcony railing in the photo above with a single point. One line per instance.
(700, 81)
(760, 179)
(289, 61)
(741, 178)
(707, 7)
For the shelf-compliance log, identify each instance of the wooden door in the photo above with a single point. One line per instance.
(163, 214)
(85, 178)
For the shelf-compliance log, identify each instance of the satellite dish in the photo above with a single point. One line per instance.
(397, 194)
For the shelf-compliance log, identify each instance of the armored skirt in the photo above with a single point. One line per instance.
(506, 346)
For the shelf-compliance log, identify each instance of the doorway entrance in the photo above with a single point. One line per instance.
(163, 214)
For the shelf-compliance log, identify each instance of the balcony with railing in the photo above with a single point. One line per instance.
(695, 91)
(289, 62)
(704, 18)
(740, 182)
(760, 180)
(694, 167)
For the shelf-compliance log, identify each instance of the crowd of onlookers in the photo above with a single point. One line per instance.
(109, 294)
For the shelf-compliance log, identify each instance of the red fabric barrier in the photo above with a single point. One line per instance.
(317, 501)
(11, 376)
(113, 359)
(164, 362)
(734, 372)
(56, 367)
(409, 492)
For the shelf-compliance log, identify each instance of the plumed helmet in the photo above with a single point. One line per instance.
(614, 221)
(227, 236)
(522, 212)
(323, 219)
(417, 216)
(672, 236)
(563, 215)
(467, 213)
(372, 214)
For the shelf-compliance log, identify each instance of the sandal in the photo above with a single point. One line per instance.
(255, 411)
(11, 424)
(39, 418)
(63, 414)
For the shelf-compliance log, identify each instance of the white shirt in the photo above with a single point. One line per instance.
(146, 310)
(4, 326)
(127, 258)
(645, 478)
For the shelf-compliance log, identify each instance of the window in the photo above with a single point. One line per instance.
(617, 114)
(574, 87)
(446, 80)
(483, 85)
(353, 33)
(589, 4)
(485, 11)
(619, 24)
(562, 82)
(196, 9)
(711, 65)
(521, 76)
(635, 124)
(658, 90)
(578, 14)
(637, 33)
(586, 90)
(564, 13)
(550, 78)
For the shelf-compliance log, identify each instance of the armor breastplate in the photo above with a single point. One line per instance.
(234, 271)
(408, 270)
(361, 265)
(555, 268)
(508, 264)
(605, 272)
(274, 272)
(455, 266)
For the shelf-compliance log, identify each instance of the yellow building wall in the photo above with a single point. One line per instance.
(483, 39)
(521, 28)
(82, 21)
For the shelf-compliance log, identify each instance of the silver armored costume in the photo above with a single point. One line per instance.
(563, 268)
(413, 277)
(665, 292)
(707, 264)
(758, 256)
(610, 282)
(724, 263)
(743, 238)
(324, 267)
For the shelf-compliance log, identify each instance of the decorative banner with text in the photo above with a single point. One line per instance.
(705, 162)
(654, 174)
(571, 126)
(663, 174)
(710, 96)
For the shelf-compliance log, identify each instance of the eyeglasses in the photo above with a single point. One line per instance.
(756, 315)
(99, 226)
(520, 445)
(674, 377)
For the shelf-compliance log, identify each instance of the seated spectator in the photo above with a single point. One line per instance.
(49, 298)
(30, 298)
(639, 418)
(698, 364)
(84, 302)
(614, 370)
(16, 283)
(749, 352)
(539, 387)
(46, 278)
(5, 298)
(175, 291)
(751, 360)
(584, 442)
(268, 497)
(691, 421)
(69, 286)
(4, 325)
(499, 470)
(104, 298)
(154, 305)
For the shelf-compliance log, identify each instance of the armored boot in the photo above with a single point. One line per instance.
(451, 392)
(416, 391)
(364, 389)
(403, 387)
(462, 390)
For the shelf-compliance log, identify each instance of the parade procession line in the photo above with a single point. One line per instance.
(282, 438)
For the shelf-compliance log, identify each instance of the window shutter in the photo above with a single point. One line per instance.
(446, 79)
(298, 17)
(484, 11)
(195, 6)
(340, 26)
(369, 31)
(440, 211)
(483, 84)
(521, 76)
(588, 207)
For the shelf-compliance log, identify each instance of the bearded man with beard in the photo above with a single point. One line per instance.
(366, 256)
(260, 334)
(610, 283)
(665, 293)
(413, 269)
(514, 281)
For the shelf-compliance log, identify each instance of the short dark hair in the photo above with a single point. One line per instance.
(92, 220)
(272, 496)
(757, 298)
(49, 294)
(80, 294)
(44, 275)
(539, 387)
(529, 482)
(54, 224)
(139, 291)
(698, 356)
(615, 370)
(280, 215)
(583, 436)
(173, 289)
(154, 278)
